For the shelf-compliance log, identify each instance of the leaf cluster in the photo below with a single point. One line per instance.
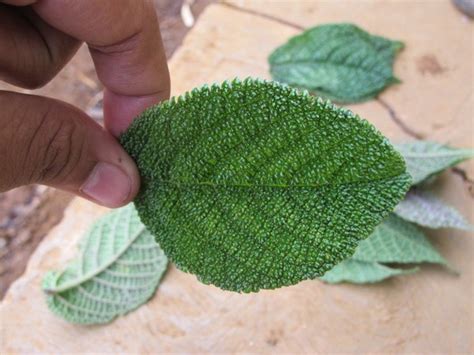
(253, 185)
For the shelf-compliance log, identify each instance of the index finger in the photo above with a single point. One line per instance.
(125, 43)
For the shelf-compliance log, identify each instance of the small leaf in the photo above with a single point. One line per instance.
(398, 241)
(425, 159)
(423, 208)
(252, 185)
(338, 61)
(119, 269)
(362, 272)
(395, 241)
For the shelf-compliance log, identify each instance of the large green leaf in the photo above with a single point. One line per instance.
(338, 61)
(253, 185)
(395, 241)
(425, 159)
(423, 208)
(119, 268)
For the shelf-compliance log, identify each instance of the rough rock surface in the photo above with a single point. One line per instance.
(431, 311)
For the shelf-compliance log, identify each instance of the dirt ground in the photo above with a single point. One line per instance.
(28, 213)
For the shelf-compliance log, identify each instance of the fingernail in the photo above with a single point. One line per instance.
(108, 185)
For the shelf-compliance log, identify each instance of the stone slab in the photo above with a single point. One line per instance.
(431, 311)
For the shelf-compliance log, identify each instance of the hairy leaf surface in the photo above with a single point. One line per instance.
(395, 241)
(119, 269)
(338, 61)
(423, 208)
(252, 185)
(425, 159)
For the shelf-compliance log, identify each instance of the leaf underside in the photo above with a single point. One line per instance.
(394, 241)
(119, 269)
(425, 159)
(363, 272)
(425, 209)
(251, 185)
(337, 61)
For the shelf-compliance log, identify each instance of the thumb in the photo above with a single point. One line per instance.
(49, 142)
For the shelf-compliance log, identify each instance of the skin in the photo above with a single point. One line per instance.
(50, 142)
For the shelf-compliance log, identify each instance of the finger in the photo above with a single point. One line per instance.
(125, 43)
(18, 2)
(52, 143)
(32, 52)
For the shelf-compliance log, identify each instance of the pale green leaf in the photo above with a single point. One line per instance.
(252, 185)
(338, 61)
(119, 269)
(362, 272)
(423, 208)
(425, 159)
(398, 241)
(394, 241)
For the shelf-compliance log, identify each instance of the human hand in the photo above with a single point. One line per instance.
(49, 142)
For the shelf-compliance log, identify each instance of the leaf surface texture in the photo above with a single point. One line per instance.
(251, 185)
(425, 209)
(395, 241)
(425, 159)
(337, 61)
(119, 269)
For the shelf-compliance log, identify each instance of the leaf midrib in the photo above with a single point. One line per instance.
(92, 274)
(326, 62)
(279, 186)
